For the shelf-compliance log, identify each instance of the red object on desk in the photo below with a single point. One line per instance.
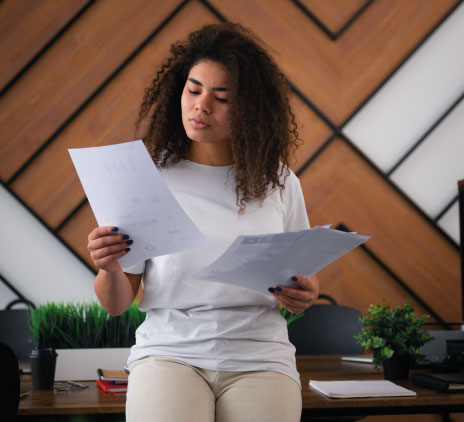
(111, 387)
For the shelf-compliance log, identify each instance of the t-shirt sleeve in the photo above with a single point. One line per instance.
(138, 268)
(296, 217)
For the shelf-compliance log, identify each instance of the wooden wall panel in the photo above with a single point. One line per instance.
(333, 76)
(334, 14)
(356, 280)
(70, 72)
(108, 119)
(313, 132)
(341, 188)
(338, 76)
(75, 232)
(26, 27)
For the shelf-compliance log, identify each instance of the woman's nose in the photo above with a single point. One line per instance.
(203, 104)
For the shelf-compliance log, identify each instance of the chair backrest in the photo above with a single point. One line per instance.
(9, 387)
(326, 330)
(15, 332)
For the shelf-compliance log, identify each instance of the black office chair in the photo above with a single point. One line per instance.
(9, 387)
(15, 332)
(326, 329)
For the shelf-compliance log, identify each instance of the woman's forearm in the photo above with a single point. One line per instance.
(115, 290)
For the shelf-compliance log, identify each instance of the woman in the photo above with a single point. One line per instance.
(220, 129)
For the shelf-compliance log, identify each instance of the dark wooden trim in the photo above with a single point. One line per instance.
(425, 135)
(34, 59)
(46, 226)
(398, 280)
(95, 93)
(333, 36)
(398, 67)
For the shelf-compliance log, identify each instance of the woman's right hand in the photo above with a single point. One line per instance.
(106, 245)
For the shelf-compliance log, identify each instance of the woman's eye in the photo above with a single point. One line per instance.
(222, 100)
(193, 92)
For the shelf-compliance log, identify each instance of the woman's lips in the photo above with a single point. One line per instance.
(199, 124)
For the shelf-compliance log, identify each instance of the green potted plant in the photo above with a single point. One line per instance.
(289, 316)
(394, 337)
(84, 336)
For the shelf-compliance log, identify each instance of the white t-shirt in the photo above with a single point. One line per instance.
(213, 325)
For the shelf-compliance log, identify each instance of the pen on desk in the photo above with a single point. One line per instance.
(77, 384)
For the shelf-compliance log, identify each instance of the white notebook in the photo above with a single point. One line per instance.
(353, 389)
(358, 358)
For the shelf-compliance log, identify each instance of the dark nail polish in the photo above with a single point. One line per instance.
(129, 242)
(271, 290)
(115, 229)
(278, 289)
(125, 236)
(127, 249)
(294, 278)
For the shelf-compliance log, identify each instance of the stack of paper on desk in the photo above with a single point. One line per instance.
(353, 389)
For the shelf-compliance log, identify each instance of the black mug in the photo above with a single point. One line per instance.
(43, 363)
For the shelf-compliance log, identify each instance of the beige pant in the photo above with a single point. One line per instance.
(165, 390)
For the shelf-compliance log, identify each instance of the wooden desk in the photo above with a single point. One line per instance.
(93, 401)
(427, 401)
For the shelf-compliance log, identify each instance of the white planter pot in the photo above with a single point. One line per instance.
(82, 364)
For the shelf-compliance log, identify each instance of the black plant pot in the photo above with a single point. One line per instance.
(43, 363)
(396, 368)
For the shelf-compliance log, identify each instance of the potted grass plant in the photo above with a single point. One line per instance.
(394, 336)
(289, 316)
(84, 336)
(43, 357)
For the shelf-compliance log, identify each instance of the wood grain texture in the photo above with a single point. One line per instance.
(70, 71)
(109, 119)
(409, 418)
(92, 400)
(340, 187)
(75, 232)
(26, 27)
(313, 132)
(356, 280)
(338, 76)
(334, 14)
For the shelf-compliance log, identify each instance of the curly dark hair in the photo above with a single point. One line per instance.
(263, 129)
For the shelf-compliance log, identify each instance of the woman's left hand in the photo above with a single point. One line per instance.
(297, 299)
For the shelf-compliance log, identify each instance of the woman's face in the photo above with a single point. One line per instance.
(204, 102)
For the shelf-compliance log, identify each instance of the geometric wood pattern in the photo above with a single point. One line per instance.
(85, 86)
(342, 188)
(27, 26)
(335, 15)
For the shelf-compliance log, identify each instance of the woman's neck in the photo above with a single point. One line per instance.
(210, 154)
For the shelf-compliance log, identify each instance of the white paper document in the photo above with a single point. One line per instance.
(125, 189)
(270, 260)
(353, 389)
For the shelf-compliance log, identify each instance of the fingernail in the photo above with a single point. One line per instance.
(115, 229)
(125, 236)
(294, 278)
(129, 242)
(271, 290)
(278, 289)
(127, 249)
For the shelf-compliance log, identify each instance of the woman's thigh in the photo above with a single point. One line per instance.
(163, 390)
(259, 396)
